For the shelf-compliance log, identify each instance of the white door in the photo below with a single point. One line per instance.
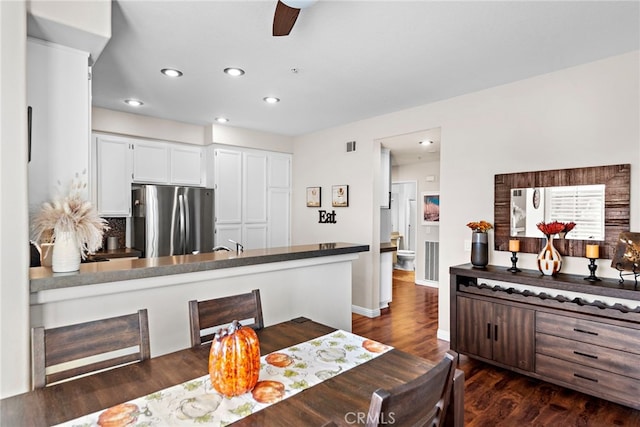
(255, 188)
(228, 186)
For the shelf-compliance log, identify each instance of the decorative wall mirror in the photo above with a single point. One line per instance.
(522, 198)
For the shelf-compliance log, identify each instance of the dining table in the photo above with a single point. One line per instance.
(342, 399)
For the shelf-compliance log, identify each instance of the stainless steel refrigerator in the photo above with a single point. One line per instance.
(169, 220)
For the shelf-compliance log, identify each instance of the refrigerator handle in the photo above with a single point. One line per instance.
(182, 224)
(188, 248)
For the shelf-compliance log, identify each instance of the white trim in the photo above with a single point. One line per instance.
(429, 283)
(443, 335)
(365, 311)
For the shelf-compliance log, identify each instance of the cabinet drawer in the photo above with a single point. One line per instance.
(606, 359)
(617, 337)
(600, 383)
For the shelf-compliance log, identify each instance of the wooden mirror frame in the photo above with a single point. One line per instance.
(617, 179)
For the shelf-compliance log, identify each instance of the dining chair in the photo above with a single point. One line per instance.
(69, 351)
(208, 314)
(420, 402)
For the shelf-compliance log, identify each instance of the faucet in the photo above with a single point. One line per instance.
(239, 247)
(220, 248)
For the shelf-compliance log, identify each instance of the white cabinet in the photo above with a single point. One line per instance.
(186, 165)
(253, 197)
(228, 188)
(279, 197)
(255, 187)
(58, 92)
(159, 162)
(113, 175)
(150, 162)
(279, 217)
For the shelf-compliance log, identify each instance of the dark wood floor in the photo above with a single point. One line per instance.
(493, 396)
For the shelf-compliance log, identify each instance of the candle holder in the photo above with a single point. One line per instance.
(514, 261)
(592, 271)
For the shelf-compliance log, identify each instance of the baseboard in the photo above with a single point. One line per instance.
(429, 283)
(443, 335)
(365, 311)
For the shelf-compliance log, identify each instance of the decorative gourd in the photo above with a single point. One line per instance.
(234, 360)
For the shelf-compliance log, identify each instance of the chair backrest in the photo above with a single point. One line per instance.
(420, 402)
(71, 345)
(206, 315)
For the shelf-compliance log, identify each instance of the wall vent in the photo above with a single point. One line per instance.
(431, 260)
(351, 146)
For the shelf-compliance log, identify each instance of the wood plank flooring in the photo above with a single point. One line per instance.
(493, 396)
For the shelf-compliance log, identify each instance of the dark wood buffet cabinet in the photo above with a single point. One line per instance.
(561, 329)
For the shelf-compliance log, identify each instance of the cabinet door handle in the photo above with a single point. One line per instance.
(495, 332)
(582, 331)
(585, 355)
(488, 331)
(585, 378)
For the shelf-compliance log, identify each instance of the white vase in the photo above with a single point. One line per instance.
(66, 254)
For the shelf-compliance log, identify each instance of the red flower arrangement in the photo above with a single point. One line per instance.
(480, 227)
(555, 227)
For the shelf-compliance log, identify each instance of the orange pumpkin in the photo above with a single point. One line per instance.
(234, 360)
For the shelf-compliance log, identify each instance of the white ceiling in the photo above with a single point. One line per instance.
(355, 59)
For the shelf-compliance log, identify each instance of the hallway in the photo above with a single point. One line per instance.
(493, 396)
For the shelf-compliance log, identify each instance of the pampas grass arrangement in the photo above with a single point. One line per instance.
(71, 213)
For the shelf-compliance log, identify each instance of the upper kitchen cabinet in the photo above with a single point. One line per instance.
(159, 162)
(150, 162)
(58, 93)
(113, 175)
(186, 165)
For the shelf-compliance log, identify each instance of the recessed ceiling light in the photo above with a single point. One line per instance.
(133, 102)
(235, 72)
(222, 120)
(170, 72)
(271, 100)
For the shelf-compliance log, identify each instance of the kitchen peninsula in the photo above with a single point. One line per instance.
(306, 280)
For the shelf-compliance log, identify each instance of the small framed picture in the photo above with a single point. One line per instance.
(430, 208)
(314, 197)
(340, 196)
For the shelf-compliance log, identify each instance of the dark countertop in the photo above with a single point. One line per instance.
(116, 253)
(388, 247)
(43, 278)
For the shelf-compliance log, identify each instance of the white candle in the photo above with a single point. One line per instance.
(593, 251)
(514, 245)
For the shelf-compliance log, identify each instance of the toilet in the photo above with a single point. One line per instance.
(406, 260)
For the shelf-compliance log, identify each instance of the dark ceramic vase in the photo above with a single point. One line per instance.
(479, 250)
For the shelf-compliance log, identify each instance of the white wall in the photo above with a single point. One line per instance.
(14, 253)
(581, 116)
(120, 123)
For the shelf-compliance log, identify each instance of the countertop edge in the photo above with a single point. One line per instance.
(143, 268)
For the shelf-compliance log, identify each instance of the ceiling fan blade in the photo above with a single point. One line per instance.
(284, 19)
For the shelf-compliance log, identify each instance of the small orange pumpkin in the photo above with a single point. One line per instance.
(234, 360)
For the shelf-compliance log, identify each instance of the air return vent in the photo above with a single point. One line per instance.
(351, 146)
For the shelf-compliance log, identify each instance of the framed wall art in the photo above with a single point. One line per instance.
(430, 208)
(340, 196)
(314, 197)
